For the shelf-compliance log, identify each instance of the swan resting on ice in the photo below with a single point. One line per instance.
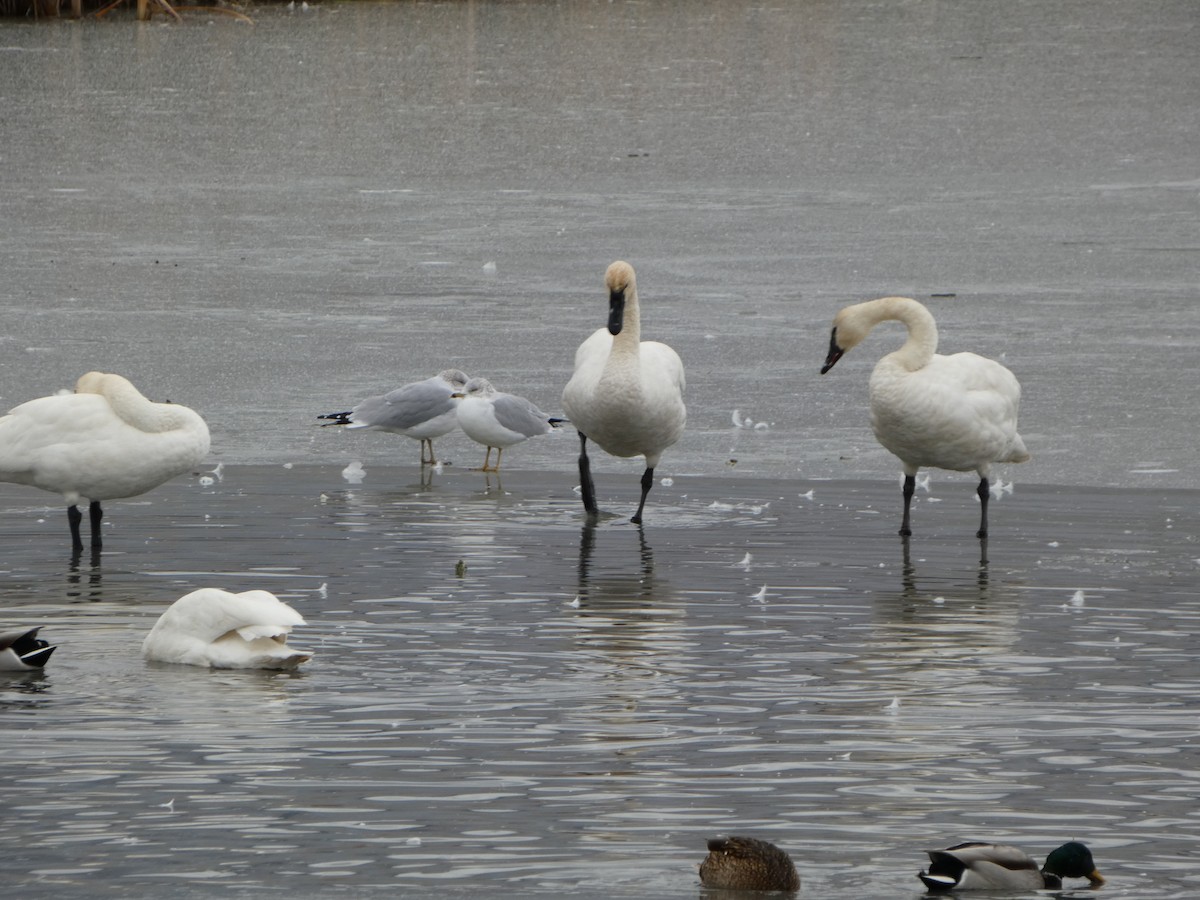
(626, 394)
(222, 630)
(955, 412)
(104, 442)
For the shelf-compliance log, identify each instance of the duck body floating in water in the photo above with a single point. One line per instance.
(955, 412)
(747, 864)
(21, 650)
(978, 865)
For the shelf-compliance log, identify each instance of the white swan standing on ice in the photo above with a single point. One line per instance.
(103, 442)
(222, 630)
(626, 394)
(496, 419)
(955, 412)
(421, 410)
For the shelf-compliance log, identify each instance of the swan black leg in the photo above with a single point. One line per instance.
(647, 481)
(96, 514)
(984, 492)
(585, 477)
(74, 517)
(910, 488)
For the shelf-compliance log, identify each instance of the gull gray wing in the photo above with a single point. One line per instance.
(405, 407)
(520, 415)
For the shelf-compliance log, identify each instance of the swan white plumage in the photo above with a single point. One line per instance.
(498, 420)
(104, 442)
(222, 630)
(955, 412)
(421, 410)
(626, 394)
(21, 650)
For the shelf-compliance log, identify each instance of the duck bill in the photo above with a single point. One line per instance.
(1096, 878)
(616, 311)
(835, 353)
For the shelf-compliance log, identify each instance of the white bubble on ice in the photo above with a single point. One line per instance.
(354, 473)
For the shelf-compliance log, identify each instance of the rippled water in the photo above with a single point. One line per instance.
(578, 708)
(269, 223)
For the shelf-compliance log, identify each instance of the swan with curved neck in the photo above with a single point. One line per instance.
(956, 412)
(104, 442)
(625, 394)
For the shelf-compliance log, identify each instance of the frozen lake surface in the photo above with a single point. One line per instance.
(271, 222)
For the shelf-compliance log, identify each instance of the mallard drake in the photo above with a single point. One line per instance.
(21, 650)
(747, 864)
(977, 865)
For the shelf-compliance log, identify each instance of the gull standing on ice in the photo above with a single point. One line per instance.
(495, 419)
(955, 412)
(421, 410)
(626, 394)
(103, 442)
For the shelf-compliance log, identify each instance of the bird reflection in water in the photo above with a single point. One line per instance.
(635, 616)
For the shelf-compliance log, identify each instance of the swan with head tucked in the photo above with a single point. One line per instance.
(222, 630)
(103, 442)
(421, 410)
(978, 865)
(955, 412)
(498, 420)
(626, 394)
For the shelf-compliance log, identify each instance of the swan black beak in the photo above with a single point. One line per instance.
(835, 353)
(616, 311)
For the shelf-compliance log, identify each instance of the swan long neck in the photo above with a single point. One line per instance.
(630, 337)
(132, 407)
(922, 340)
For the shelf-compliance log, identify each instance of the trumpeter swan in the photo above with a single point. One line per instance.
(222, 630)
(498, 420)
(103, 442)
(626, 394)
(955, 412)
(421, 410)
